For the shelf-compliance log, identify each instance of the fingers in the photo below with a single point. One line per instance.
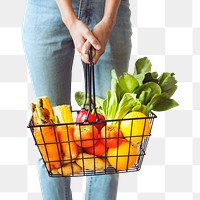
(85, 58)
(84, 54)
(86, 47)
(96, 57)
(92, 42)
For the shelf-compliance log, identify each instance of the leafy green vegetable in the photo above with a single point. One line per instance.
(151, 77)
(125, 83)
(110, 105)
(127, 103)
(143, 90)
(146, 91)
(128, 83)
(161, 102)
(155, 91)
(80, 99)
(167, 83)
(115, 85)
(142, 66)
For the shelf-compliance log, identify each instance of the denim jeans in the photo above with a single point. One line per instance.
(49, 52)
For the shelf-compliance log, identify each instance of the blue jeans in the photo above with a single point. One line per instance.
(49, 52)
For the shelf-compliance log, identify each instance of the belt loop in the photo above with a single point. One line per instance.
(79, 8)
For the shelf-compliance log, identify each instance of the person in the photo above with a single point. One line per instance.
(52, 31)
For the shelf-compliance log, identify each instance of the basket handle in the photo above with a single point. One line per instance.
(90, 88)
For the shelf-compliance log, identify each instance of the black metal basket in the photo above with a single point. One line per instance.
(106, 168)
(126, 156)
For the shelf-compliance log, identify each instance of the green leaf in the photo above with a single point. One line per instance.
(143, 96)
(172, 90)
(161, 102)
(142, 66)
(123, 84)
(105, 104)
(114, 81)
(114, 74)
(146, 91)
(115, 85)
(151, 77)
(80, 99)
(110, 105)
(105, 107)
(140, 78)
(127, 103)
(113, 105)
(128, 83)
(167, 81)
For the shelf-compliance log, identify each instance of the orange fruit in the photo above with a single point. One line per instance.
(124, 156)
(135, 130)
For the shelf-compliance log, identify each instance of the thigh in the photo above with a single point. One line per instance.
(118, 49)
(49, 51)
(107, 184)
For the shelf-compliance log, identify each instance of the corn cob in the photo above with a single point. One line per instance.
(65, 132)
(64, 113)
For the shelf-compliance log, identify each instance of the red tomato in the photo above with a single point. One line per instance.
(81, 117)
(85, 135)
(98, 149)
(111, 136)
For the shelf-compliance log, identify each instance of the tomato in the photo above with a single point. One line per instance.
(86, 135)
(81, 117)
(98, 149)
(111, 136)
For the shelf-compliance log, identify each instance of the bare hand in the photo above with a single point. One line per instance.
(81, 34)
(102, 32)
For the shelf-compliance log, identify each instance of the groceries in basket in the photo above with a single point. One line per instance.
(105, 136)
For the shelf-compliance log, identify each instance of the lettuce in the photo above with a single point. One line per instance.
(143, 90)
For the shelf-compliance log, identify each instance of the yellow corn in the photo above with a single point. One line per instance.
(64, 114)
(65, 133)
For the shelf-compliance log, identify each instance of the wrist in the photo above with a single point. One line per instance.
(67, 12)
(69, 20)
(110, 12)
(109, 21)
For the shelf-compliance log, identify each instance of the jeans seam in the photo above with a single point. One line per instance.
(89, 190)
(79, 9)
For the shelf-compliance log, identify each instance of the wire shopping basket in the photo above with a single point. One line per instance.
(119, 147)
